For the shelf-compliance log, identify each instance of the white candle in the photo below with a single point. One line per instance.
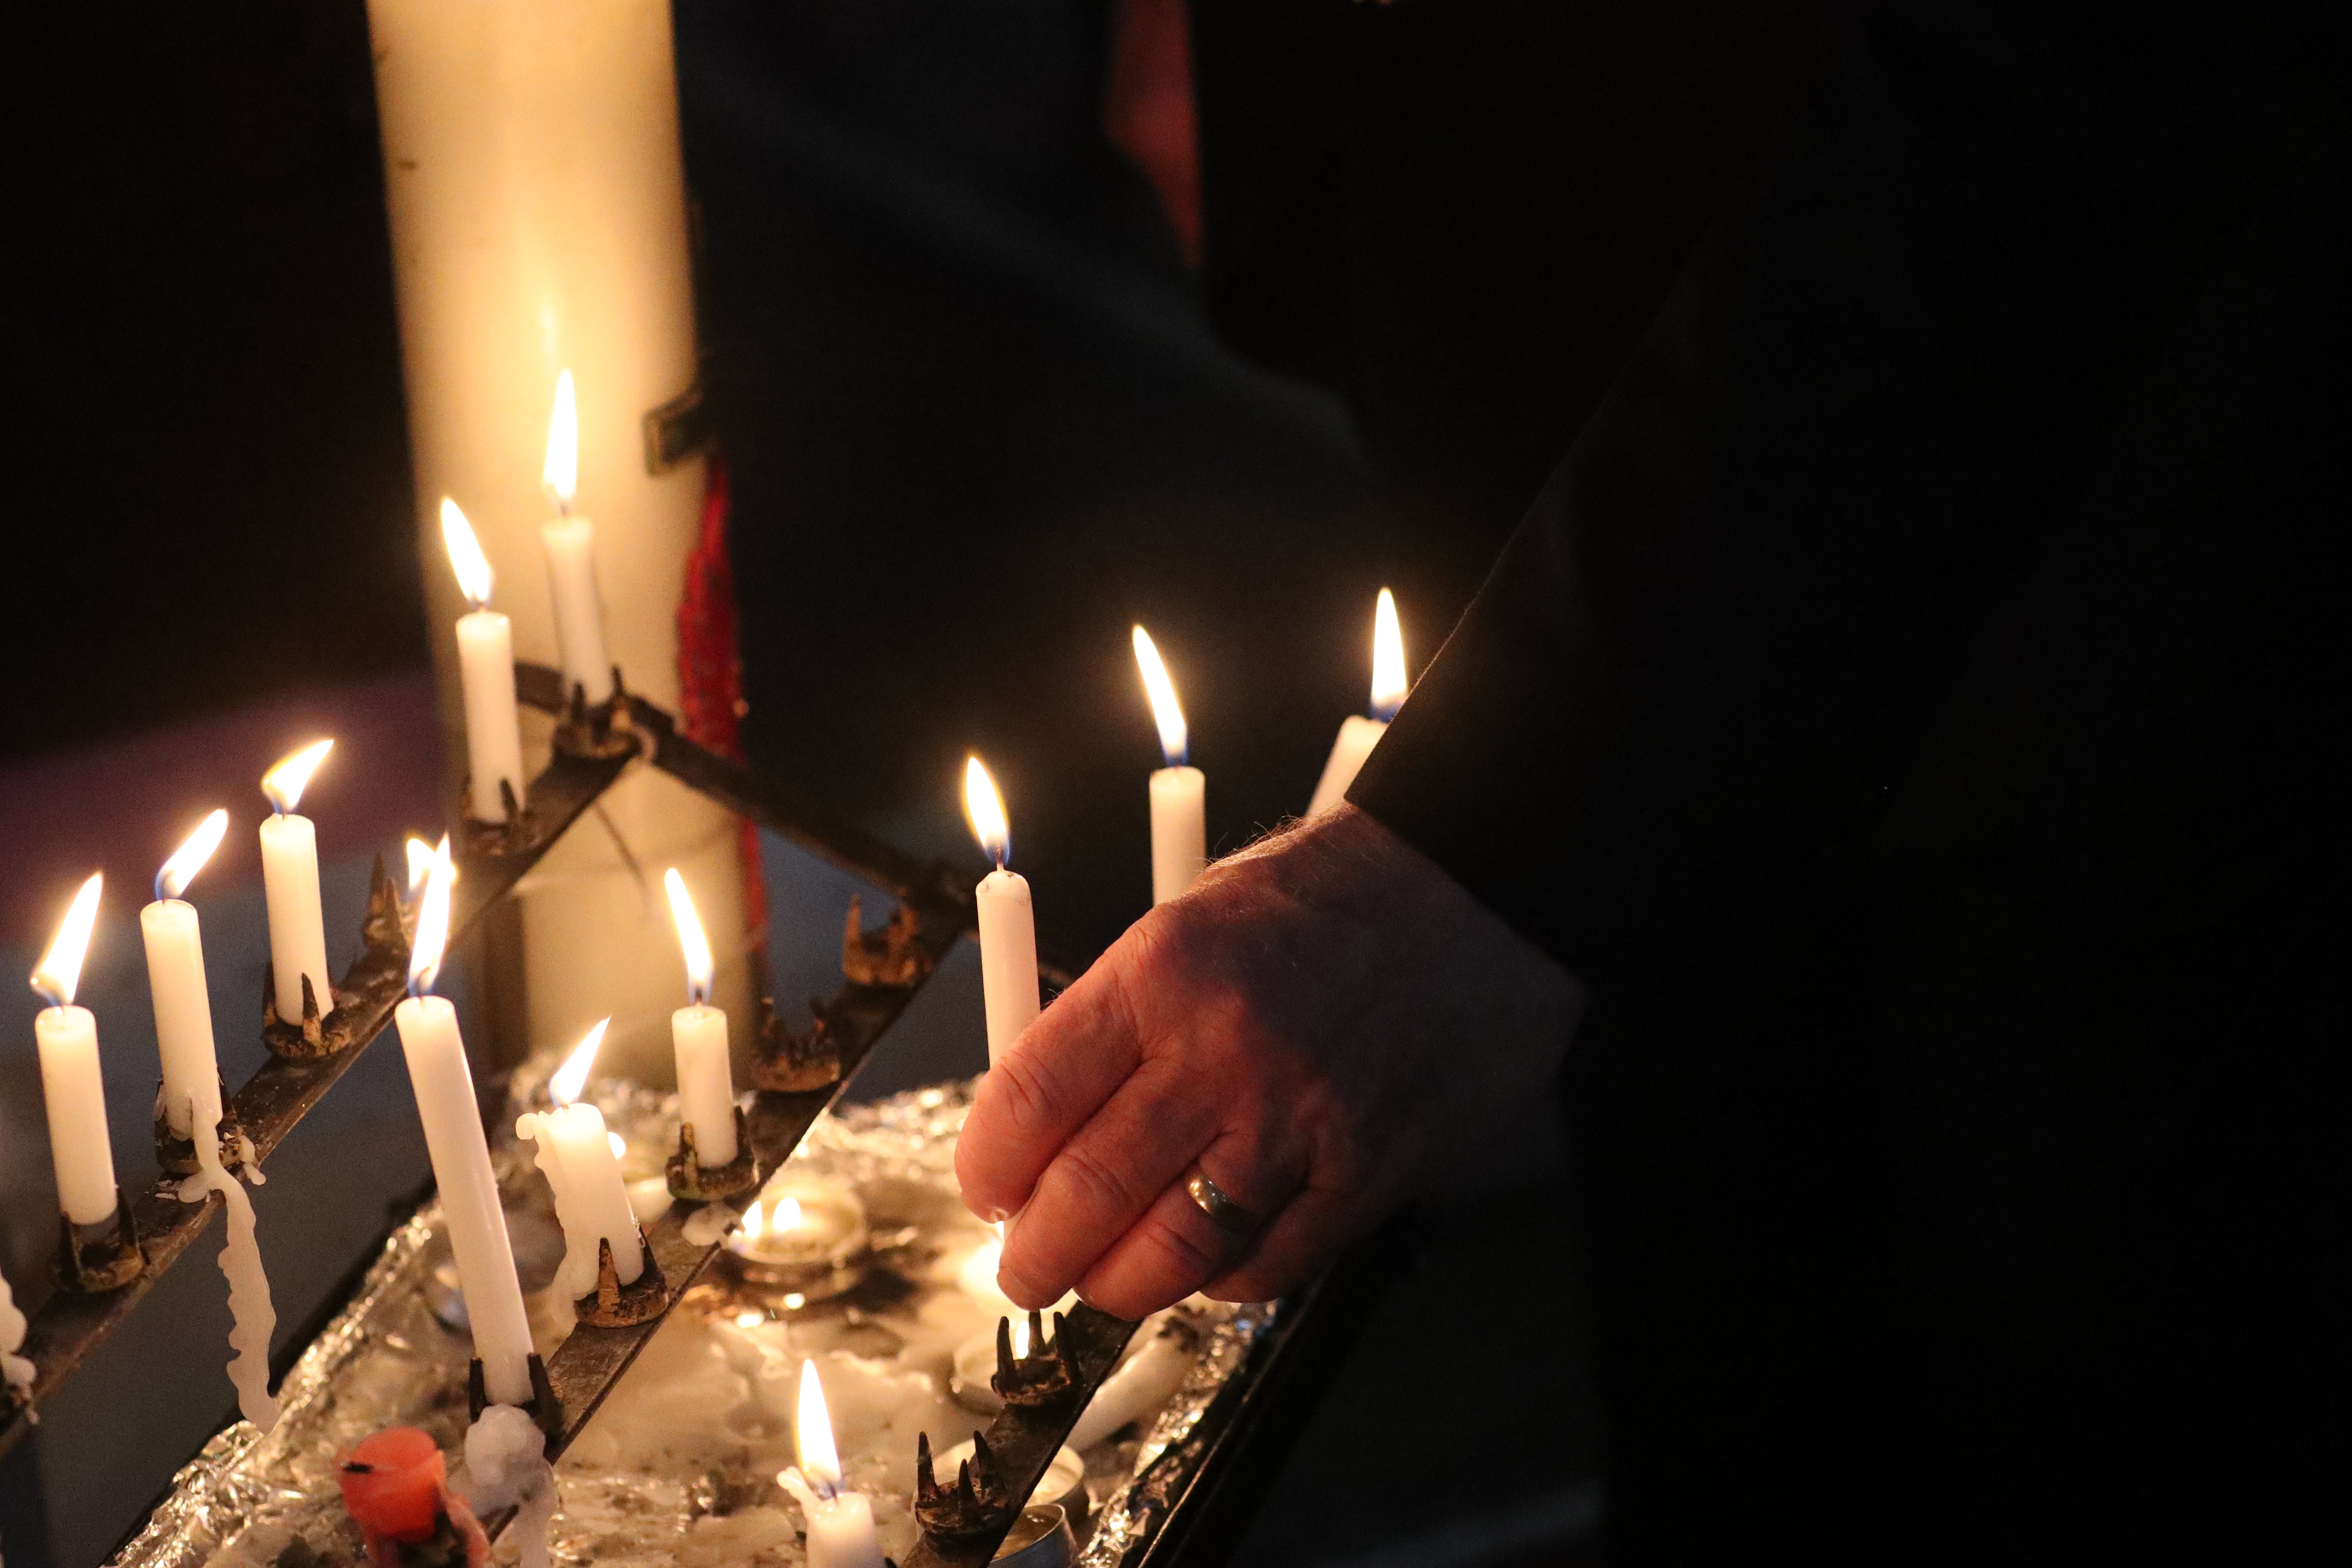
(1180, 833)
(15, 1370)
(1008, 929)
(698, 1033)
(74, 1093)
(438, 1071)
(1141, 1386)
(591, 1201)
(571, 545)
(485, 666)
(175, 983)
(840, 1523)
(289, 883)
(1360, 733)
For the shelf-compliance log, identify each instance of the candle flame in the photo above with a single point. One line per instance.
(562, 472)
(984, 809)
(465, 557)
(189, 857)
(1389, 683)
(812, 1435)
(420, 862)
(1019, 1337)
(285, 783)
(59, 972)
(690, 940)
(432, 923)
(572, 1075)
(755, 1222)
(787, 1215)
(1175, 741)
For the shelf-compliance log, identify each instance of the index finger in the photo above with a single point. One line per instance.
(1063, 1069)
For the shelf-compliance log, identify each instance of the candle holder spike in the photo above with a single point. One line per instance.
(177, 1155)
(493, 840)
(1041, 1378)
(545, 1410)
(94, 1259)
(978, 1504)
(785, 1063)
(692, 1181)
(606, 729)
(388, 924)
(612, 1305)
(889, 954)
(311, 1038)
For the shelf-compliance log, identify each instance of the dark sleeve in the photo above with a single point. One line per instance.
(1693, 679)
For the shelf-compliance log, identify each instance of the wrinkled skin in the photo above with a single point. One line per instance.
(1325, 1022)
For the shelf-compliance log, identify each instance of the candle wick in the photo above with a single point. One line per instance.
(42, 990)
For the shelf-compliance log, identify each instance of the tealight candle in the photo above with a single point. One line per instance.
(1008, 929)
(175, 984)
(804, 1233)
(438, 1073)
(1361, 733)
(571, 545)
(591, 1201)
(698, 1032)
(290, 885)
(840, 1523)
(71, 1087)
(1180, 833)
(485, 666)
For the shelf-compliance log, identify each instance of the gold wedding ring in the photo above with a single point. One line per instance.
(1223, 1213)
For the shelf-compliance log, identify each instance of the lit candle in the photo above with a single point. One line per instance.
(575, 1151)
(1008, 929)
(840, 1523)
(67, 1036)
(486, 663)
(175, 981)
(1360, 733)
(571, 543)
(1180, 833)
(289, 883)
(460, 1156)
(698, 1033)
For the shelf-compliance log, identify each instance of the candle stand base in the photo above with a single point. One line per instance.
(692, 1181)
(493, 840)
(785, 1063)
(1040, 1380)
(888, 955)
(386, 929)
(612, 1305)
(92, 1259)
(177, 1155)
(598, 729)
(307, 1040)
(545, 1410)
(976, 1505)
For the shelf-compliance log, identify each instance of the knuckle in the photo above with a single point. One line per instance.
(1187, 1260)
(1100, 1183)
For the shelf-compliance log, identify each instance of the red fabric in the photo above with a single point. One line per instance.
(1148, 108)
(710, 669)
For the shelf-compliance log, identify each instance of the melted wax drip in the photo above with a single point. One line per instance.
(253, 1318)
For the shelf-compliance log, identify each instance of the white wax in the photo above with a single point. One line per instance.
(571, 544)
(1179, 830)
(840, 1527)
(591, 1199)
(253, 1318)
(1008, 959)
(470, 1194)
(1141, 1387)
(70, 1084)
(706, 1081)
(297, 933)
(15, 1370)
(1357, 738)
(493, 731)
(183, 1013)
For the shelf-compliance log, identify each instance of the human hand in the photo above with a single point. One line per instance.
(1324, 1023)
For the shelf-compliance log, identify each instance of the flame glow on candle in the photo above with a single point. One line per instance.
(562, 472)
(58, 974)
(1175, 741)
(984, 809)
(432, 923)
(690, 940)
(572, 1075)
(465, 557)
(285, 783)
(1389, 683)
(189, 857)
(813, 1436)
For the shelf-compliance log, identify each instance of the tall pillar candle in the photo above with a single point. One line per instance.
(1180, 832)
(71, 1086)
(1007, 928)
(289, 884)
(175, 984)
(698, 1032)
(438, 1071)
(1361, 733)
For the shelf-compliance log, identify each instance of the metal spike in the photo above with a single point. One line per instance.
(1004, 1369)
(926, 1482)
